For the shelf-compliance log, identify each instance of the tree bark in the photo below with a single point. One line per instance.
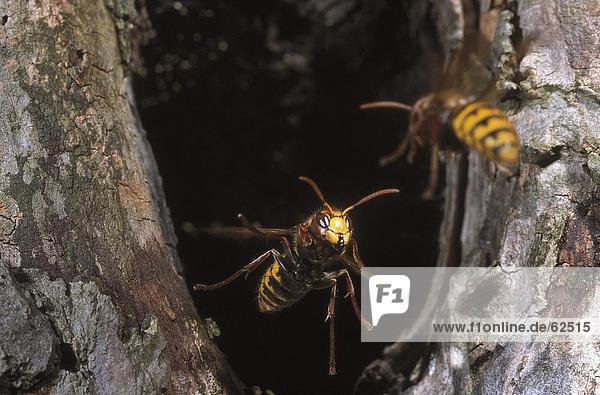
(549, 215)
(90, 297)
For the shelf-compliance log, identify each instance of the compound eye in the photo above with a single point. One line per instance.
(324, 222)
(348, 222)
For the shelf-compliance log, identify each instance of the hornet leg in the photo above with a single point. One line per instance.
(434, 172)
(249, 268)
(355, 263)
(331, 279)
(396, 153)
(356, 255)
(331, 318)
(331, 282)
(284, 241)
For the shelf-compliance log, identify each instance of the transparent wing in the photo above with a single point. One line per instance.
(466, 69)
(240, 232)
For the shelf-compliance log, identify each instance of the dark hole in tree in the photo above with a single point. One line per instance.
(68, 359)
(549, 157)
(235, 112)
(4, 20)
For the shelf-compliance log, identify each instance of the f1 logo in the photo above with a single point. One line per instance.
(389, 294)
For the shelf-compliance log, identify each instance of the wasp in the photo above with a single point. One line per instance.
(315, 255)
(452, 120)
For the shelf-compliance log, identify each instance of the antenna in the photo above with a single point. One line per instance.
(369, 197)
(386, 104)
(315, 188)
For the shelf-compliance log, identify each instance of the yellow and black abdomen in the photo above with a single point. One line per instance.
(487, 130)
(278, 289)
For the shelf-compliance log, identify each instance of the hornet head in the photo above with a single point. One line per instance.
(331, 225)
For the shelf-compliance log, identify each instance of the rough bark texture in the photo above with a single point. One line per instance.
(547, 216)
(89, 293)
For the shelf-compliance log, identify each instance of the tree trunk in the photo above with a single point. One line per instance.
(90, 297)
(549, 215)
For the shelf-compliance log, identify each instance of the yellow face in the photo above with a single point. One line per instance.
(334, 227)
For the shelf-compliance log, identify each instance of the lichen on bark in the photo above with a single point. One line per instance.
(87, 242)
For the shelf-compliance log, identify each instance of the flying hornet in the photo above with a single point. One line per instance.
(452, 120)
(315, 255)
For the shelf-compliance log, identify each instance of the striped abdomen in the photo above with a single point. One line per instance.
(487, 130)
(278, 289)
